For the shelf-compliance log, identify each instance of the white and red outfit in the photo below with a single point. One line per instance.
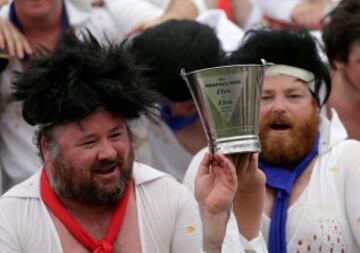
(168, 218)
(326, 217)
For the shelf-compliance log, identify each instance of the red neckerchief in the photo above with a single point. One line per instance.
(56, 207)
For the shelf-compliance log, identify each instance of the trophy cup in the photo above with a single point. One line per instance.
(227, 99)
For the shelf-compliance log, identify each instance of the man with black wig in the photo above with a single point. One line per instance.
(312, 169)
(26, 27)
(90, 195)
(166, 49)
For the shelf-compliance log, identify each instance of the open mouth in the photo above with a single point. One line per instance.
(106, 171)
(280, 126)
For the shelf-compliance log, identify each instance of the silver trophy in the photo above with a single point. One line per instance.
(227, 99)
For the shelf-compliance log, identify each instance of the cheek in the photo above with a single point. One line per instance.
(123, 148)
(82, 161)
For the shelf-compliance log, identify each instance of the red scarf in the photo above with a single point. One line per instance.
(56, 207)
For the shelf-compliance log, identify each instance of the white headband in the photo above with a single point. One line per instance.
(298, 73)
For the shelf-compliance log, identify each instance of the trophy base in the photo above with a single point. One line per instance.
(239, 146)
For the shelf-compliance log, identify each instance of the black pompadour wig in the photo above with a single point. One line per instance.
(80, 77)
(293, 48)
(173, 45)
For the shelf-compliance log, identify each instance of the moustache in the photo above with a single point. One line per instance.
(106, 165)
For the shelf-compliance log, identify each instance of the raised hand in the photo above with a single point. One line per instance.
(215, 184)
(13, 41)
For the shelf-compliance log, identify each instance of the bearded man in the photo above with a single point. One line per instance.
(311, 169)
(90, 195)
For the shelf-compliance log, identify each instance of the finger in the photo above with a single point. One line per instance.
(20, 50)
(2, 43)
(242, 167)
(27, 46)
(9, 41)
(253, 162)
(136, 29)
(225, 169)
(204, 167)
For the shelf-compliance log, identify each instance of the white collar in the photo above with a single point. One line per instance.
(30, 188)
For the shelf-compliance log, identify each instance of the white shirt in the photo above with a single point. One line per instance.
(326, 217)
(229, 34)
(168, 217)
(160, 149)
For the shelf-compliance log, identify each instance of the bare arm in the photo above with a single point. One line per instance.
(220, 185)
(241, 10)
(177, 9)
(310, 14)
(251, 190)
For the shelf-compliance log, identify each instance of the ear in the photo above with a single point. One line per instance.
(44, 149)
(130, 133)
(339, 65)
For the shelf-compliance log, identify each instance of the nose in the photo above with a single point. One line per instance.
(279, 105)
(106, 151)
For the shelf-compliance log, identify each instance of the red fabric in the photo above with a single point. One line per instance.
(276, 24)
(103, 246)
(226, 6)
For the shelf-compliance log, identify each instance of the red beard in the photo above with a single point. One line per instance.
(287, 149)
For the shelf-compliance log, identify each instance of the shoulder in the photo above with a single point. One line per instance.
(26, 189)
(21, 197)
(192, 169)
(159, 187)
(151, 178)
(349, 152)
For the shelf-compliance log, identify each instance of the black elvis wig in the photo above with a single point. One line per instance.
(171, 46)
(293, 48)
(78, 78)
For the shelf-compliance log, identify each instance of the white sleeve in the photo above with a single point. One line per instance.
(256, 245)
(8, 238)
(192, 169)
(278, 9)
(350, 162)
(228, 33)
(129, 13)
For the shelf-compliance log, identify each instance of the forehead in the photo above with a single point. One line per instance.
(283, 83)
(101, 121)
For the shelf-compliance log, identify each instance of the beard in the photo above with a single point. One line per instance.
(67, 184)
(288, 149)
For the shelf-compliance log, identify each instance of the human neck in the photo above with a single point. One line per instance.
(192, 137)
(342, 88)
(89, 210)
(40, 29)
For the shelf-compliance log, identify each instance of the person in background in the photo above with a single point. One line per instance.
(341, 37)
(311, 167)
(166, 49)
(280, 14)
